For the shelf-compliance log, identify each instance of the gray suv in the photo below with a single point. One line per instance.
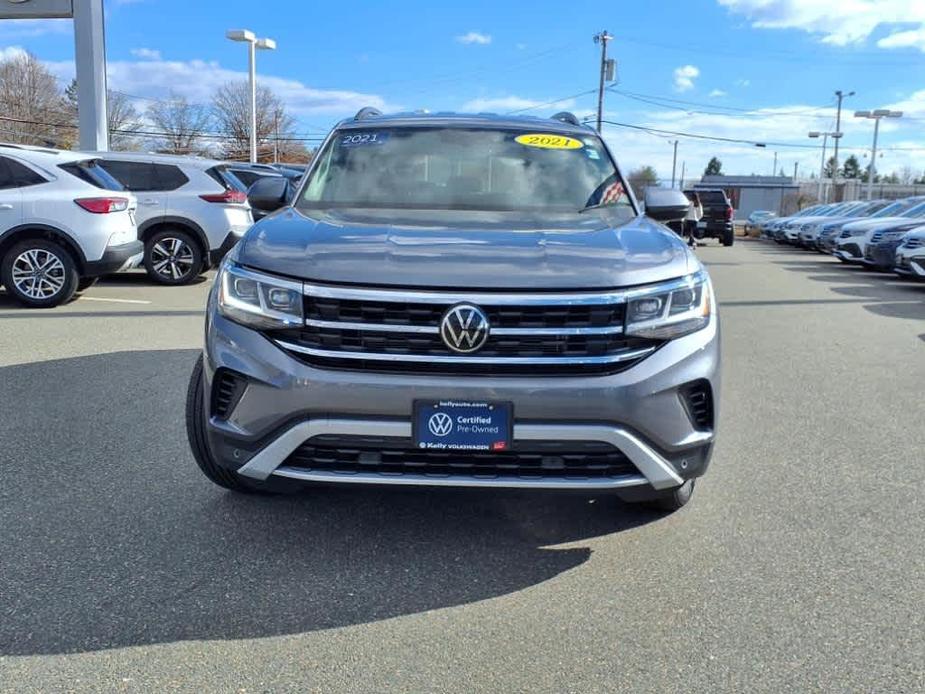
(460, 300)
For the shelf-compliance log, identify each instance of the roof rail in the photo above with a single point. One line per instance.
(367, 112)
(566, 117)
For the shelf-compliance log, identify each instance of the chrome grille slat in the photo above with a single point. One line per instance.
(554, 333)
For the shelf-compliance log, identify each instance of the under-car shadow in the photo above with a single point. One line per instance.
(112, 538)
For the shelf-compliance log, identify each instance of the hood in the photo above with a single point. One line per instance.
(477, 250)
(868, 224)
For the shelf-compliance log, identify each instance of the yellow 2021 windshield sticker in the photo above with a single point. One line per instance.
(546, 141)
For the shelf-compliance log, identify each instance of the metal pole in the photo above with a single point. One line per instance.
(796, 165)
(872, 169)
(822, 196)
(774, 168)
(603, 37)
(681, 182)
(252, 51)
(841, 95)
(674, 162)
(90, 55)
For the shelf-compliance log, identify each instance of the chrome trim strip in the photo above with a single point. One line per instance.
(434, 330)
(499, 298)
(373, 327)
(462, 481)
(657, 471)
(463, 359)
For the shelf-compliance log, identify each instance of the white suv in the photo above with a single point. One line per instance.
(191, 211)
(64, 222)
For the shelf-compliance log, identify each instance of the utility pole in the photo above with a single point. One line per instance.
(774, 168)
(839, 94)
(601, 38)
(681, 182)
(796, 165)
(674, 162)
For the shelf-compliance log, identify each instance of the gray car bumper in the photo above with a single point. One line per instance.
(639, 411)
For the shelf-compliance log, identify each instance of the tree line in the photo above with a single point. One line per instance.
(35, 110)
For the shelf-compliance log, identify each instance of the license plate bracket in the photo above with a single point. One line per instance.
(462, 425)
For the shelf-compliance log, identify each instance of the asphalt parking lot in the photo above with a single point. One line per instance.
(799, 565)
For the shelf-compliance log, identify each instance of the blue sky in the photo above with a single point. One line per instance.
(762, 70)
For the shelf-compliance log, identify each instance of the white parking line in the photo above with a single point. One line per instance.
(115, 301)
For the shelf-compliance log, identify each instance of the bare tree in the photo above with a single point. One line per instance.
(231, 110)
(183, 124)
(32, 108)
(124, 119)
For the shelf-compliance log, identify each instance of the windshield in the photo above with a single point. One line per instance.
(893, 209)
(464, 169)
(917, 211)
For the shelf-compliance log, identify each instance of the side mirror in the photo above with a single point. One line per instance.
(664, 205)
(268, 194)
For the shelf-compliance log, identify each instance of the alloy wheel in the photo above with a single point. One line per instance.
(172, 258)
(38, 273)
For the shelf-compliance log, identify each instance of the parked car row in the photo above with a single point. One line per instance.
(67, 218)
(884, 235)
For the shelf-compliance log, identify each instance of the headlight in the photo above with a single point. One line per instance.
(257, 300)
(669, 310)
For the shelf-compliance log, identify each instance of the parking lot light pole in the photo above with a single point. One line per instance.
(840, 95)
(876, 116)
(248, 37)
(825, 140)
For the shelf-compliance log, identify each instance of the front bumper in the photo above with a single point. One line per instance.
(115, 259)
(286, 402)
(910, 266)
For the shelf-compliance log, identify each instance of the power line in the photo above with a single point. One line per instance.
(550, 103)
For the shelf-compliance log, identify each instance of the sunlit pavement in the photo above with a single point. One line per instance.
(798, 566)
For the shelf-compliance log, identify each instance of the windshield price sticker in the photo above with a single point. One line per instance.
(361, 139)
(546, 141)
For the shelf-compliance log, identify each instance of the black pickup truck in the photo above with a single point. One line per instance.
(717, 216)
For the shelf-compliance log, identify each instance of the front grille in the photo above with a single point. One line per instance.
(398, 331)
(348, 455)
(698, 398)
(876, 236)
(227, 389)
(913, 243)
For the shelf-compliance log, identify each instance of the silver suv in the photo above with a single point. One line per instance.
(460, 301)
(191, 211)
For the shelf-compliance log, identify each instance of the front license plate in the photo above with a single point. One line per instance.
(453, 425)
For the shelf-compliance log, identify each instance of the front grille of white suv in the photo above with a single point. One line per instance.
(530, 333)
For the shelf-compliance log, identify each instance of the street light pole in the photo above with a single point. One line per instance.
(674, 162)
(248, 37)
(601, 38)
(825, 140)
(876, 115)
(840, 95)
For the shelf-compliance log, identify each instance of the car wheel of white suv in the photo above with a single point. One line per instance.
(173, 257)
(39, 274)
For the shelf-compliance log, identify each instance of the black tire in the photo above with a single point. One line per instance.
(195, 432)
(62, 277)
(84, 283)
(729, 237)
(173, 257)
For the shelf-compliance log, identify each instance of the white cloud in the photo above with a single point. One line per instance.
(12, 52)
(684, 77)
(34, 27)
(839, 23)
(743, 83)
(475, 37)
(512, 103)
(146, 53)
(197, 80)
(914, 38)
(717, 93)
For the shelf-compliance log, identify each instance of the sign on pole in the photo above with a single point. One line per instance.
(36, 9)
(90, 54)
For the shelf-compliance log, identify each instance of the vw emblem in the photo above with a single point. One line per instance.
(464, 328)
(440, 424)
